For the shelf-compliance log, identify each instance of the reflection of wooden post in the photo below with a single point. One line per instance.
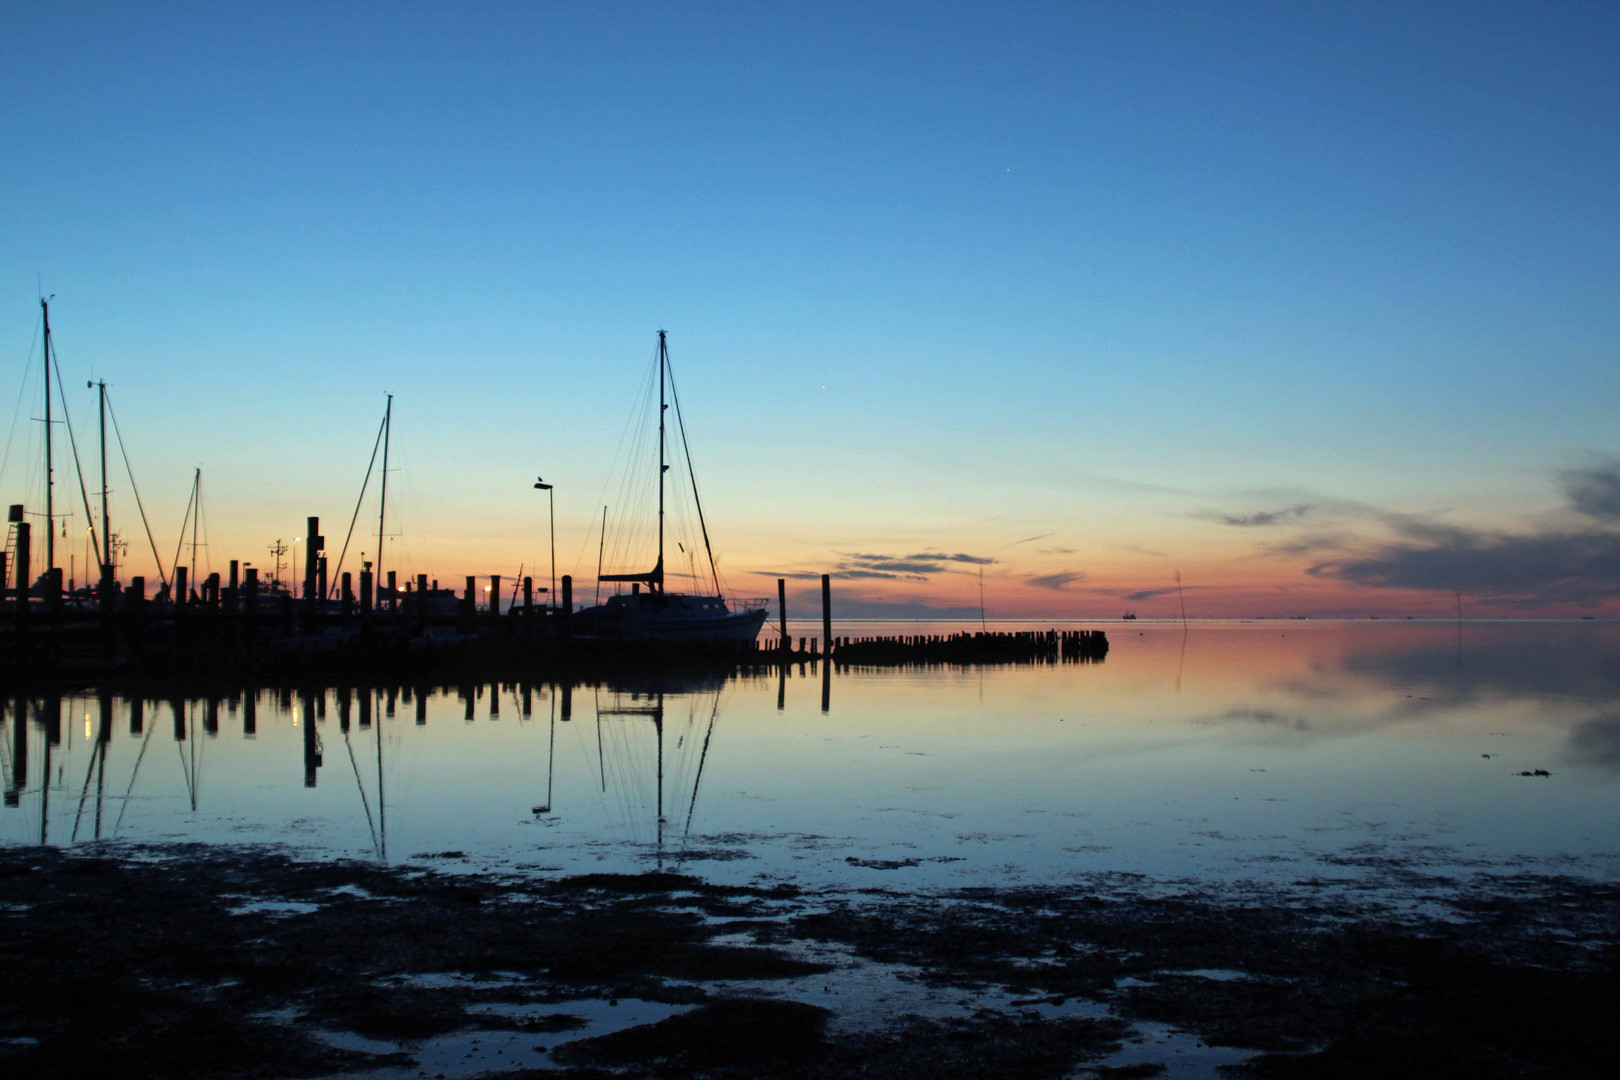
(781, 611)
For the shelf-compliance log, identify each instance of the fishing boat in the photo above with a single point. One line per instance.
(648, 612)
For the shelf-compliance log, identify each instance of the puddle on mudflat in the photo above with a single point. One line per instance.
(473, 1051)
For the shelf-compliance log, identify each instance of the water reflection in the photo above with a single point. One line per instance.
(1223, 748)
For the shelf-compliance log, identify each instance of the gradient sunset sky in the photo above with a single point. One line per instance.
(1314, 304)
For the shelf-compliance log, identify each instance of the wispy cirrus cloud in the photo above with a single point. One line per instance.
(1058, 580)
(1259, 518)
(868, 566)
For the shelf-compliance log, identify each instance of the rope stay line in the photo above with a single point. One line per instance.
(78, 470)
(370, 465)
(162, 574)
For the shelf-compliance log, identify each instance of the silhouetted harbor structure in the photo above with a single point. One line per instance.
(234, 624)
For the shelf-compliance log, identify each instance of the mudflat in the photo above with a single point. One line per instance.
(195, 960)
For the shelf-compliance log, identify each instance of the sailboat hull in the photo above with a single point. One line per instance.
(656, 617)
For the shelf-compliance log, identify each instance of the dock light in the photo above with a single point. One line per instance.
(551, 498)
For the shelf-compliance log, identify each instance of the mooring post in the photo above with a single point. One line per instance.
(393, 595)
(231, 589)
(494, 594)
(421, 602)
(320, 581)
(211, 594)
(528, 593)
(826, 613)
(22, 570)
(781, 610)
(250, 601)
(311, 547)
(348, 597)
(568, 605)
(137, 601)
(365, 601)
(468, 603)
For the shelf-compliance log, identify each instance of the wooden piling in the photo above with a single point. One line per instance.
(528, 593)
(781, 609)
(348, 597)
(250, 603)
(22, 575)
(826, 611)
(421, 601)
(311, 535)
(494, 594)
(393, 595)
(568, 605)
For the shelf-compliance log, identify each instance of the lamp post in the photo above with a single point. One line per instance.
(551, 498)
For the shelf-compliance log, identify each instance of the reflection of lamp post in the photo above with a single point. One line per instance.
(541, 485)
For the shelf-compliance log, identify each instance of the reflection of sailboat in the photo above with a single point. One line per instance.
(658, 615)
(679, 757)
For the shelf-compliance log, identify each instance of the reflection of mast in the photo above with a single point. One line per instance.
(354, 763)
(382, 802)
(656, 713)
(702, 757)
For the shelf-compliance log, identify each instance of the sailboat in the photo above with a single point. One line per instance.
(653, 614)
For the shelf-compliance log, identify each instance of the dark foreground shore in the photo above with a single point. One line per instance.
(197, 961)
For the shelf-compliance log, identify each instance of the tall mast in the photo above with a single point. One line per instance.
(382, 509)
(196, 510)
(663, 362)
(106, 526)
(50, 512)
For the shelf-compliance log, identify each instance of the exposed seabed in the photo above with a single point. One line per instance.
(194, 960)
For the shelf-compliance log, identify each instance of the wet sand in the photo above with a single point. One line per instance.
(193, 960)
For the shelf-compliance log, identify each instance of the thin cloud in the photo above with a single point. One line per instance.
(1260, 518)
(1029, 539)
(1057, 581)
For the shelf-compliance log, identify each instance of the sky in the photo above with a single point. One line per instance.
(1312, 305)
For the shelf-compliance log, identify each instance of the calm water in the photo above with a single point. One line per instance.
(1274, 751)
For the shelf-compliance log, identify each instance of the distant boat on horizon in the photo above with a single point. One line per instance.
(1129, 616)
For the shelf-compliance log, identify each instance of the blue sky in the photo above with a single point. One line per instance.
(935, 275)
